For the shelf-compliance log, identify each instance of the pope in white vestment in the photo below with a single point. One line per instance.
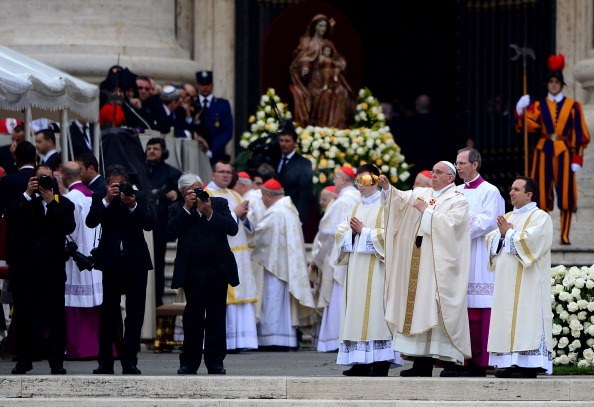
(241, 317)
(280, 249)
(365, 339)
(332, 275)
(427, 270)
(520, 335)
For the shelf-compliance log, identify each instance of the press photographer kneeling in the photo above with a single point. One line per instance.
(38, 222)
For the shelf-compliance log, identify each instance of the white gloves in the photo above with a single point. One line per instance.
(522, 104)
(575, 167)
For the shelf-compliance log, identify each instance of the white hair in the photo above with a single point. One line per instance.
(186, 180)
(244, 181)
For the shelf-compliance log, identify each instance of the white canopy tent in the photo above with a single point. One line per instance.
(26, 83)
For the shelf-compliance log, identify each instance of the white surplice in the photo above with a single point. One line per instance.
(521, 317)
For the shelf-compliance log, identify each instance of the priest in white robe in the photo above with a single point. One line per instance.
(427, 270)
(332, 275)
(286, 298)
(520, 336)
(241, 316)
(365, 338)
(486, 204)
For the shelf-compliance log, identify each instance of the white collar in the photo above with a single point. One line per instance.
(526, 208)
(435, 194)
(49, 154)
(290, 155)
(472, 180)
(557, 98)
(371, 199)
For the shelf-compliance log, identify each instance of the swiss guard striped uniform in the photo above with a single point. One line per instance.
(562, 133)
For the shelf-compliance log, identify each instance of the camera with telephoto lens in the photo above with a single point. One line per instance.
(82, 262)
(45, 181)
(201, 194)
(126, 188)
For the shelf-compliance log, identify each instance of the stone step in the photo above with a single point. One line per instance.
(180, 402)
(289, 391)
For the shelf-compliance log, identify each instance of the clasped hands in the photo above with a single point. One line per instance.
(503, 225)
(356, 225)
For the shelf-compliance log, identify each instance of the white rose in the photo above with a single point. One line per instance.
(564, 359)
(557, 329)
(588, 354)
(583, 304)
(589, 284)
(586, 326)
(370, 99)
(381, 117)
(564, 296)
(385, 168)
(572, 357)
(360, 151)
(583, 364)
(564, 315)
(404, 176)
(572, 317)
(361, 93)
(577, 293)
(316, 153)
(565, 330)
(393, 170)
(569, 281)
(559, 309)
(582, 315)
(576, 344)
(386, 157)
(244, 143)
(591, 330)
(580, 282)
(576, 334)
(572, 306)
(590, 342)
(557, 361)
(563, 342)
(268, 109)
(315, 180)
(591, 307)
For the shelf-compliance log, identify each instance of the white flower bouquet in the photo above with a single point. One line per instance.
(572, 300)
(369, 141)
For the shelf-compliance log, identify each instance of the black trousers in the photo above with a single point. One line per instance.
(39, 307)
(127, 280)
(204, 318)
(160, 249)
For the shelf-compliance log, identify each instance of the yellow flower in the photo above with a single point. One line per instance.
(252, 119)
(323, 178)
(323, 163)
(379, 161)
(364, 106)
(393, 178)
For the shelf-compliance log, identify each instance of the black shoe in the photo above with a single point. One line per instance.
(413, 372)
(129, 368)
(186, 370)
(379, 369)
(104, 369)
(524, 373)
(358, 370)
(505, 373)
(473, 371)
(58, 370)
(22, 368)
(450, 369)
(217, 370)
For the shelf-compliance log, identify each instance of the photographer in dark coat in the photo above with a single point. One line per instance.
(37, 225)
(124, 259)
(204, 266)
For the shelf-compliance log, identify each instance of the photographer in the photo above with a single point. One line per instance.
(124, 259)
(163, 179)
(37, 225)
(204, 266)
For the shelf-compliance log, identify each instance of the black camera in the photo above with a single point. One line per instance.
(126, 188)
(82, 262)
(45, 182)
(201, 194)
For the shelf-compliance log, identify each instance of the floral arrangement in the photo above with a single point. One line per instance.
(369, 141)
(572, 299)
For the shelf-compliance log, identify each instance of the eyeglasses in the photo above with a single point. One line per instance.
(437, 172)
(462, 162)
(224, 172)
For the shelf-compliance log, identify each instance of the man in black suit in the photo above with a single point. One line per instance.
(37, 225)
(7, 159)
(90, 175)
(81, 138)
(124, 259)
(204, 266)
(13, 185)
(45, 142)
(294, 171)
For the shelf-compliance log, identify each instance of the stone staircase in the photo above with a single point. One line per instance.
(169, 295)
(291, 391)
